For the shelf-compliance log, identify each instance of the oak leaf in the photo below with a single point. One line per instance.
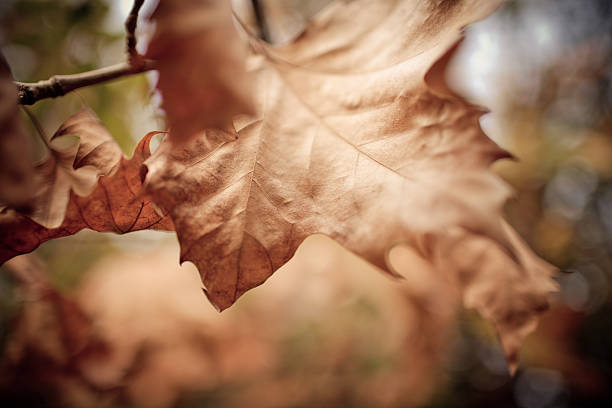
(357, 138)
(201, 64)
(117, 204)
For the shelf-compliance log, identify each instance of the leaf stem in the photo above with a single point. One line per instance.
(39, 129)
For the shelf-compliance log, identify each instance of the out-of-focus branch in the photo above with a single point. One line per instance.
(258, 9)
(130, 29)
(60, 85)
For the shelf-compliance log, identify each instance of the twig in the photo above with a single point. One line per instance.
(60, 85)
(134, 57)
(258, 9)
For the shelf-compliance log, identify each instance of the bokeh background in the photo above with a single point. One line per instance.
(327, 330)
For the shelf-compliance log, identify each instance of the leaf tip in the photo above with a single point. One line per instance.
(212, 302)
(513, 362)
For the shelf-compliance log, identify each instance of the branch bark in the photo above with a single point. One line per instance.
(60, 85)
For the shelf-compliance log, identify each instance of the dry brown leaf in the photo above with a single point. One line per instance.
(201, 64)
(117, 204)
(376, 133)
(16, 166)
(358, 138)
(80, 151)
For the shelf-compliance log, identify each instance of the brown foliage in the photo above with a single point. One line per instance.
(117, 203)
(357, 137)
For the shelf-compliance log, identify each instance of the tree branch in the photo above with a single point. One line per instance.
(130, 28)
(60, 85)
(258, 9)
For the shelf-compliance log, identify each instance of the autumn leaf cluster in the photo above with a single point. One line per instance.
(348, 130)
